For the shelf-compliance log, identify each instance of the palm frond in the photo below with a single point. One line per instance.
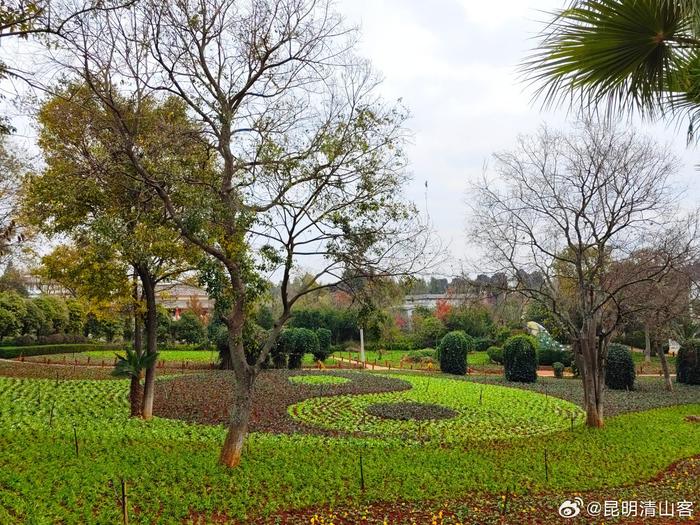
(624, 54)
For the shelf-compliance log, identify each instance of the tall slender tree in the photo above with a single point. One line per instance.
(308, 159)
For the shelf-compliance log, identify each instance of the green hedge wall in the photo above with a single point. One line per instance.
(10, 352)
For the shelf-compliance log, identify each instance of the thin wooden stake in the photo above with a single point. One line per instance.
(546, 466)
(362, 475)
(125, 508)
(481, 394)
(75, 437)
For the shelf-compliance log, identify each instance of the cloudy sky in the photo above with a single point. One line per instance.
(454, 64)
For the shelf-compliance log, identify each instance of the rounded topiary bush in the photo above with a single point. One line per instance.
(688, 363)
(520, 359)
(452, 352)
(558, 369)
(303, 341)
(324, 344)
(495, 354)
(619, 368)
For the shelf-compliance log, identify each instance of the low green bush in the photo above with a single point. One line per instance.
(520, 359)
(421, 356)
(558, 369)
(481, 344)
(495, 354)
(452, 352)
(619, 368)
(688, 363)
(10, 352)
(297, 342)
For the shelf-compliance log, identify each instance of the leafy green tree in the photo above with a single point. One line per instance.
(429, 332)
(16, 308)
(13, 280)
(55, 312)
(189, 328)
(640, 55)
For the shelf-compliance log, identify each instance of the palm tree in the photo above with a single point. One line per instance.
(638, 55)
(133, 365)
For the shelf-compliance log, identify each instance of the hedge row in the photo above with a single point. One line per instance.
(10, 352)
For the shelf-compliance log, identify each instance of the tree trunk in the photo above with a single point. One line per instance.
(664, 367)
(593, 379)
(135, 394)
(238, 423)
(149, 293)
(135, 390)
(647, 344)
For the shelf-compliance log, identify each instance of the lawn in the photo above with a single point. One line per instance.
(97, 356)
(172, 476)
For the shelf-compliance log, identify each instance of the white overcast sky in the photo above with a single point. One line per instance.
(454, 64)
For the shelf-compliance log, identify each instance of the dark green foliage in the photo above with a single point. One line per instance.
(293, 343)
(428, 332)
(410, 411)
(474, 321)
(10, 352)
(500, 334)
(164, 332)
(343, 324)
(688, 363)
(520, 359)
(619, 368)
(401, 343)
(495, 354)
(481, 344)
(324, 344)
(264, 317)
(254, 338)
(550, 351)
(558, 370)
(188, 329)
(452, 352)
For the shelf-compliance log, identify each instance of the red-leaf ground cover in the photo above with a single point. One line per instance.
(208, 397)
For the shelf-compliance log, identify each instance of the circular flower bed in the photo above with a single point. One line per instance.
(318, 380)
(479, 412)
(408, 410)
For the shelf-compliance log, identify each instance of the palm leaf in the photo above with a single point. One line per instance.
(625, 54)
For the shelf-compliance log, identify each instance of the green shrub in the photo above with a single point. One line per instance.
(495, 354)
(550, 351)
(688, 363)
(453, 351)
(499, 334)
(558, 369)
(421, 356)
(324, 344)
(429, 332)
(10, 352)
(296, 342)
(520, 359)
(619, 368)
(481, 344)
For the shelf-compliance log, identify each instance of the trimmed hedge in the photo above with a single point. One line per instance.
(11, 352)
(688, 363)
(520, 359)
(558, 370)
(452, 352)
(619, 368)
(324, 337)
(495, 354)
(294, 343)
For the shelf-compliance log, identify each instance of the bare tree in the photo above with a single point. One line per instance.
(572, 207)
(307, 160)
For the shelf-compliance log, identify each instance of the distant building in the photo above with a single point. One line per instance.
(174, 296)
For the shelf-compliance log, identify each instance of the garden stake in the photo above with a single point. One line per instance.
(481, 394)
(546, 466)
(75, 437)
(362, 475)
(125, 510)
(572, 422)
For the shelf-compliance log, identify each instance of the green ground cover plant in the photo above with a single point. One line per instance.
(318, 380)
(483, 412)
(44, 480)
